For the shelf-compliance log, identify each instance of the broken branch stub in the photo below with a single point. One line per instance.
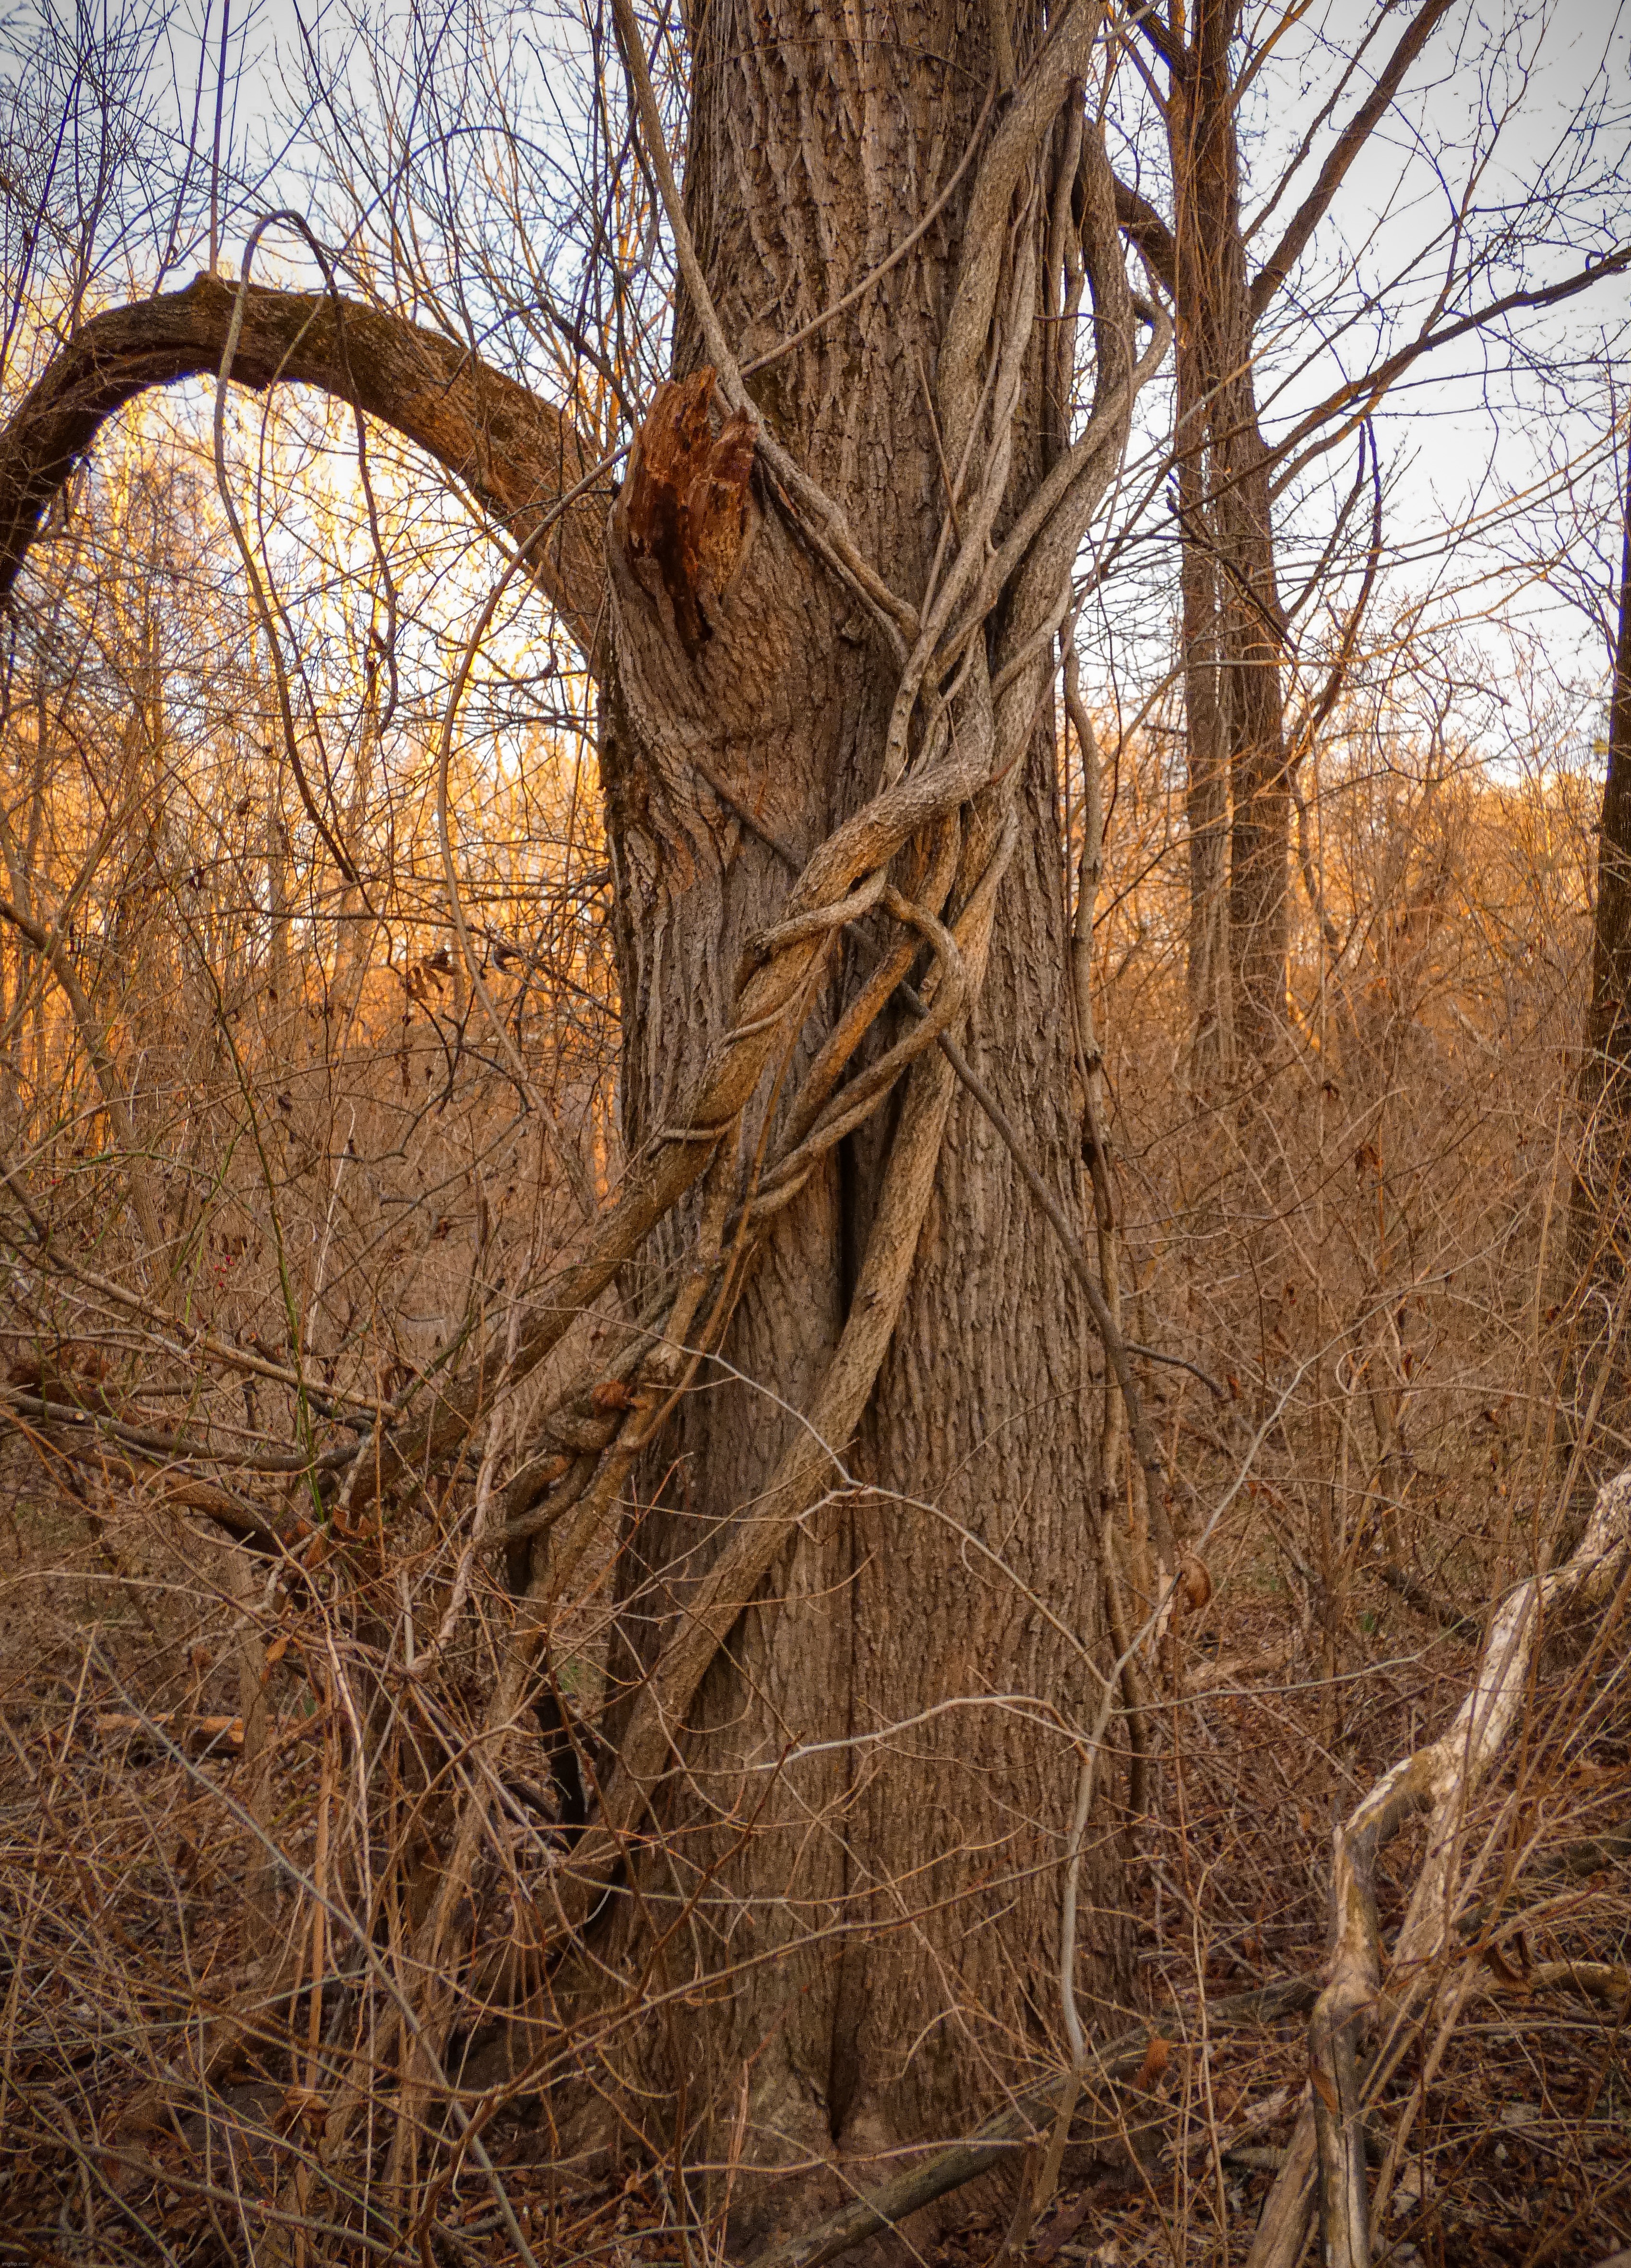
(684, 509)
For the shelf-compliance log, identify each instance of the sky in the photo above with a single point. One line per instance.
(1500, 472)
(1475, 432)
(1513, 451)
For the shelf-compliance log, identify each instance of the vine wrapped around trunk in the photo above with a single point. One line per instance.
(844, 1416)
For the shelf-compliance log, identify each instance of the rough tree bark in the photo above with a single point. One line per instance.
(1597, 1229)
(895, 1900)
(823, 617)
(1233, 625)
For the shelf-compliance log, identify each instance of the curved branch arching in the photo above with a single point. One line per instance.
(517, 455)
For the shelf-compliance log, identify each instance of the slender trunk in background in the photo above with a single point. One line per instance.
(1252, 639)
(274, 855)
(1238, 799)
(1234, 629)
(1598, 1238)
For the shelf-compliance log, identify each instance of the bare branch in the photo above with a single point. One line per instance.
(1340, 164)
(518, 456)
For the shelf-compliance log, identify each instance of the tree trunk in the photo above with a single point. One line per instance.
(1232, 624)
(1234, 628)
(891, 1901)
(1252, 639)
(1598, 1238)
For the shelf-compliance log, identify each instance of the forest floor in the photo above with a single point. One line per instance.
(122, 1908)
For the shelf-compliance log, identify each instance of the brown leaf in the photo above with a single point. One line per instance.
(613, 1394)
(1157, 2055)
(1195, 1580)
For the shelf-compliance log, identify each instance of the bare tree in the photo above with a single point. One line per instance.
(848, 1383)
(1596, 1231)
(1248, 339)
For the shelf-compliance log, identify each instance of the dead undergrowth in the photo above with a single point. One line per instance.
(136, 1908)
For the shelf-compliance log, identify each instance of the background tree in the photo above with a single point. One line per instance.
(1248, 335)
(1597, 1235)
